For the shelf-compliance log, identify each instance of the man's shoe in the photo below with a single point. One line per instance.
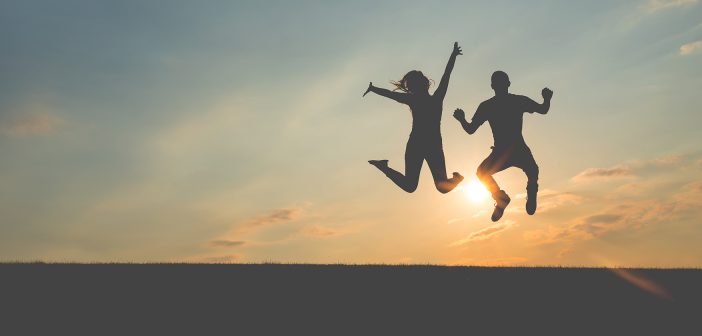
(501, 201)
(531, 200)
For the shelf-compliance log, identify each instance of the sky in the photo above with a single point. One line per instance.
(235, 131)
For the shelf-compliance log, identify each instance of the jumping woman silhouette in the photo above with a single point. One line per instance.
(425, 139)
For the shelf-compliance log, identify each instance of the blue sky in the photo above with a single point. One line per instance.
(235, 131)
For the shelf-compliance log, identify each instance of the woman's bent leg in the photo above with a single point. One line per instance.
(413, 165)
(437, 165)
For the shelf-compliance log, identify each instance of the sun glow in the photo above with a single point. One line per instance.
(475, 191)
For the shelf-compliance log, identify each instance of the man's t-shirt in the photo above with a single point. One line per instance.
(504, 114)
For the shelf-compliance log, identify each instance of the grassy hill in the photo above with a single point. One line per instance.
(275, 299)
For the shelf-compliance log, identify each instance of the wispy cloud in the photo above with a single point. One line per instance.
(603, 173)
(320, 231)
(486, 233)
(617, 218)
(639, 168)
(653, 6)
(276, 216)
(690, 196)
(551, 199)
(690, 48)
(32, 124)
(226, 243)
(597, 225)
(34, 116)
(479, 213)
(631, 215)
(564, 252)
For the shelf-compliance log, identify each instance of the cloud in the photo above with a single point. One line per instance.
(603, 174)
(479, 213)
(597, 225)
(634, 168)
(226, 243)
(276, 216)
(653, 6)
(606, 218)
(564, 252)
(690, 48)
(630, 215)
(319, 231)
(34, 116)
(593, 226)
(550, 199)
(690, 196)
(484, 234)
(32, 124)
(669, 159)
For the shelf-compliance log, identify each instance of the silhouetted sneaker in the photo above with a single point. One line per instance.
(501, 201)
(379, 163)
(531, 201)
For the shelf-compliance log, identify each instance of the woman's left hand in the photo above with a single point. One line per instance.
(456, 49)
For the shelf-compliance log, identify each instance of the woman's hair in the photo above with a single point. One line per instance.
(413, 82)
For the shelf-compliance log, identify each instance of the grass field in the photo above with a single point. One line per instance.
(299, 299)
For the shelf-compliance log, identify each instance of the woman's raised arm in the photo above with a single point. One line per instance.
(443, 85)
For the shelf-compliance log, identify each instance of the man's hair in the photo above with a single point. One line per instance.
(499, 76)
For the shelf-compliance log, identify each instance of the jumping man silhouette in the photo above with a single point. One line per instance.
(425, 139)
(504, 113)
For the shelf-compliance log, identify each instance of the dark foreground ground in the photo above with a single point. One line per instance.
(164, 299)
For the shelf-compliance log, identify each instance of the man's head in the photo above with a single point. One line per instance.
(500, 82)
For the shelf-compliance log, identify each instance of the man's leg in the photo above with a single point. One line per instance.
(531, 169)
(494, 163)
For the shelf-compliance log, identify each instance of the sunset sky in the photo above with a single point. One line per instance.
(235, 131)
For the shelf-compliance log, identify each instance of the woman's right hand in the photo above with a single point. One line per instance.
(370, 86)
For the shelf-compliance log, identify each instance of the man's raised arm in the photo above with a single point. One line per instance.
(532, 106)
(469, 127)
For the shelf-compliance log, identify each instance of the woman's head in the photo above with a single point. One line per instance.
(413, 82)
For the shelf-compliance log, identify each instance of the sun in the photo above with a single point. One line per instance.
(475, 191)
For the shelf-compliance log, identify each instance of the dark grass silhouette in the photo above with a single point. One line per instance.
(274, 299)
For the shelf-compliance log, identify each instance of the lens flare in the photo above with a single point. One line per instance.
(475, 191)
